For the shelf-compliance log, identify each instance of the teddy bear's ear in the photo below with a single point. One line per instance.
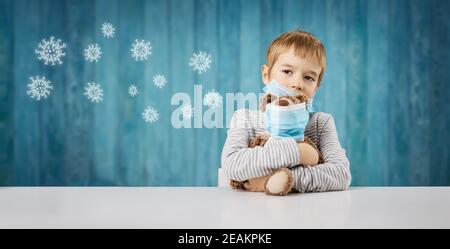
(266, 99)
(301, 99)
(270, 98)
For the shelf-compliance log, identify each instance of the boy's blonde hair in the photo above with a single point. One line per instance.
(305, 45)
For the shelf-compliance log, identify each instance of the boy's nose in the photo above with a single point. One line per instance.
(297, 86)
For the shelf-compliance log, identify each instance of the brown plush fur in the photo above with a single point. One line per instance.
(288, 188)
(260, 140)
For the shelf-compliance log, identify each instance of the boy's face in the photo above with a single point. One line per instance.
(296, 73)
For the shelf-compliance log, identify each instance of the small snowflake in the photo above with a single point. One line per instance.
(141, 50)
(212, 99)
(108, 30)
(92, 53)
(39, 88)
(150, 115)
(187, 111)
(51, 52)
(93, 92)
(133, 91)
(159, 80)
(200, 62)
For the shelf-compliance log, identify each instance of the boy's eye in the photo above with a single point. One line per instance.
(309, 78)
(287, 71)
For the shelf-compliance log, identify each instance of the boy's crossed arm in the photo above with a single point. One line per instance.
(241, 163)
(332, 175)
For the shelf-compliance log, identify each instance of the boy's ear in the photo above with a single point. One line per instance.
(265, 74)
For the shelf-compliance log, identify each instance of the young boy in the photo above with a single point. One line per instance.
(296, 62)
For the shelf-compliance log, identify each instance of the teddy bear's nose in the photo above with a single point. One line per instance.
(283, 102)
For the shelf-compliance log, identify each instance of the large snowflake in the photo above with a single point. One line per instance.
(212, 99)
(93, 92)
(51, 51)
(200, 62)
(150, 115)
(108, 30)
(133, 91)
(93, 53)
(159, 80)
(141, 50)
(39, 87)
(187, 111)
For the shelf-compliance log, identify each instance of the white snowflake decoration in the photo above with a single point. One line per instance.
(200, 62)
(141, 50)
(93, 53)
(159, 80)
(93, 92)
(187, 111)
(212, 99)
(108, 30)
(39, 87)
(51, 52)
(133, 91)
(150, 115)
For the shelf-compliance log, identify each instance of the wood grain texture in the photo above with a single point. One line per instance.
(386, 85)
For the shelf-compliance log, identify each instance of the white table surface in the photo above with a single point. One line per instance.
(171, 207)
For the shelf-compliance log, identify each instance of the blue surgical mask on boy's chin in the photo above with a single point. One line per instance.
(309, 105)
(289, 121)
(276, 88)
(310, 102)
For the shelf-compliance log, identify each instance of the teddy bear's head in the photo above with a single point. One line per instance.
(281, 101)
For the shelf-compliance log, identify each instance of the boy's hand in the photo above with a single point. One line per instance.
(308, 154)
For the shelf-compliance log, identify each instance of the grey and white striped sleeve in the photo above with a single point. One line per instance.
(334, 174)
(239, 162)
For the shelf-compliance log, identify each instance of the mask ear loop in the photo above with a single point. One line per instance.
(314, 94)
(317, 124)
(317, 132)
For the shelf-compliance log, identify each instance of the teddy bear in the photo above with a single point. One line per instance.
(261, 139)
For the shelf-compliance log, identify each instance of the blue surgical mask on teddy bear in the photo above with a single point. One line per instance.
(286, 121)
(276, 88)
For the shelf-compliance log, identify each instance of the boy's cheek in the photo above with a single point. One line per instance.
(283, 81)
(278, 78)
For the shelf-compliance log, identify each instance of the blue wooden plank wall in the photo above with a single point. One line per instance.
(387, 85)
